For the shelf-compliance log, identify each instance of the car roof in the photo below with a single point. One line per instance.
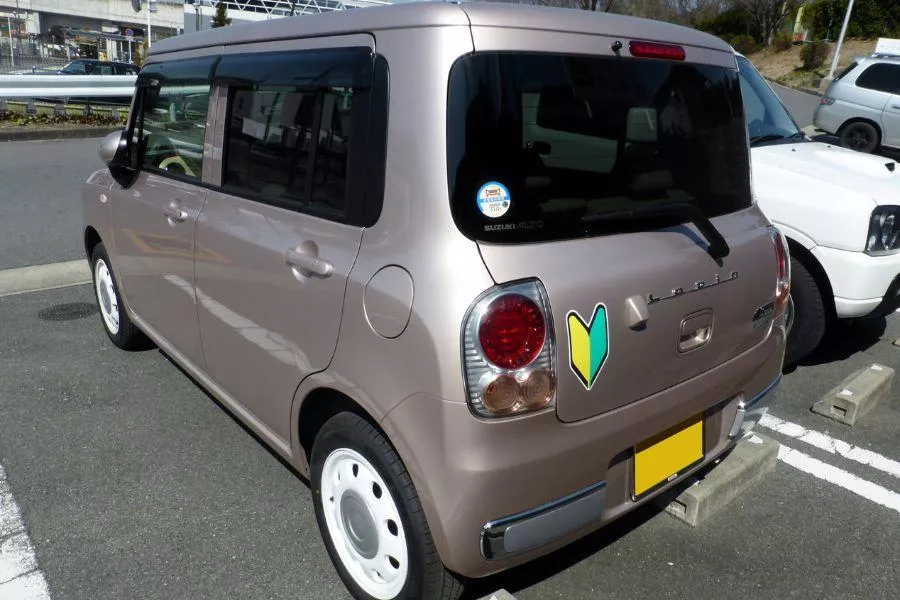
(436, 14)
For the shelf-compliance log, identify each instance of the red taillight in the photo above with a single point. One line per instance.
(783, 260)
(826, 100)
(512, 331)
(656, 50)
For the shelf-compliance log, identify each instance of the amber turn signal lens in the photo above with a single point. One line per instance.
(537, 388)
(501, 394)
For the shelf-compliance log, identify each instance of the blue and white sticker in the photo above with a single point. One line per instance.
(493, 199)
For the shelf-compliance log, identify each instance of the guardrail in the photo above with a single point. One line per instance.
(66, 86)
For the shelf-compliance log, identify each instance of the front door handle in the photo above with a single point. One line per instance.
(175, 214)
(305, 260)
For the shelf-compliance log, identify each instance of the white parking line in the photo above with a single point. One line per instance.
(20, 578)
(832, 445)
(840, 478)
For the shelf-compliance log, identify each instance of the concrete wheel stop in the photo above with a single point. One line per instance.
(856, 395)
(752, 458)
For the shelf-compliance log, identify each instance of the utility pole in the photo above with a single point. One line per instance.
(149, 5)
(12, 60)
(840, 42)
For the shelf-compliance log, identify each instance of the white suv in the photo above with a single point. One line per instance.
(862, 104)
(839, 209)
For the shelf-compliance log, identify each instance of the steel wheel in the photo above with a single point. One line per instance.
(106, 296)
(364, 524)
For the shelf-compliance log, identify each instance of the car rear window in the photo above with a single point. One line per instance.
(539, 143)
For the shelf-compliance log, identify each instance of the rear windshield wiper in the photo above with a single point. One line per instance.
(718, 247)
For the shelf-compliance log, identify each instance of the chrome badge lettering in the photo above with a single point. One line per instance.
(697, 286)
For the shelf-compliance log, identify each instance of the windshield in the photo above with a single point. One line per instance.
(767, 119)
(540, 144)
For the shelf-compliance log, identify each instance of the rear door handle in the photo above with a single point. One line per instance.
(175, 213)
(308, 264)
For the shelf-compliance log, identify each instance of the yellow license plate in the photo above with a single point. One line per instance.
(665, 456)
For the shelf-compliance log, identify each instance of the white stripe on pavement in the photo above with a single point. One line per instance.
(44, 277)
(832, 445)
(20, 578)
(840, 478)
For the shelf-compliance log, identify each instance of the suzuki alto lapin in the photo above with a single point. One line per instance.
(490, 276)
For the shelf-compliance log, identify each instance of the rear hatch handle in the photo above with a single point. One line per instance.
(718, 247)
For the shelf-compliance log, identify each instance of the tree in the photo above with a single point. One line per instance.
(767, 16)
(221, 18)
(582, 4)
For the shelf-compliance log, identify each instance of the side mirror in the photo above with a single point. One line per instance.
(109, 147)
(114, 152)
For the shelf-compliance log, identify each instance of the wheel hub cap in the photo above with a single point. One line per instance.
(359, 525)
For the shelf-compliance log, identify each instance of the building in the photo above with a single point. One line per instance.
(198, 13)
(45, 32)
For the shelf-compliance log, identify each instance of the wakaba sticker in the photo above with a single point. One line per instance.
(588, 344)
(493, 199)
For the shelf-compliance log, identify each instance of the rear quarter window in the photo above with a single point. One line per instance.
(880, 77)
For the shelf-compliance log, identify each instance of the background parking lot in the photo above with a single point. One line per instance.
(130, 482)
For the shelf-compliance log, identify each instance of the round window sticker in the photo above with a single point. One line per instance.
(493, 199)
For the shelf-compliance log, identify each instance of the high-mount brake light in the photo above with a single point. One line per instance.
(656, 50)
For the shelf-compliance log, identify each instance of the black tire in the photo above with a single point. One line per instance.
(810, 315)
(860, 136)
(127, 336)
(427, 578)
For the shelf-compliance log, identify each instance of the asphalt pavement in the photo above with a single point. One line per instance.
(40, 199)
(134, 483)
(800, 104)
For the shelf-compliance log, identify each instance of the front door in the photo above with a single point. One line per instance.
(279, 237)
(154, 218)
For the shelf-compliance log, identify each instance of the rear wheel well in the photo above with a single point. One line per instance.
(859, 120)
(91, 239)
(817, 271)
(320, 405)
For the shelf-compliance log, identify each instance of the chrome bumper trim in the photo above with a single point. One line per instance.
(541, 525)
(749, 413)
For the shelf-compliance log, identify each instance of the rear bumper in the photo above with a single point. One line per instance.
(498, 493)
(564, 516)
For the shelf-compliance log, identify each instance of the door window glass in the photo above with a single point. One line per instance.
(881, 77)
(289, 144)
(173, 128)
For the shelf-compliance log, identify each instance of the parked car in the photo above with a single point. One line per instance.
(862, 105)
(92, 66)
(840, 211)
(489, 275)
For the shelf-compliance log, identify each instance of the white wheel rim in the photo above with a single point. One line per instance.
(364, 524)
(106, 296)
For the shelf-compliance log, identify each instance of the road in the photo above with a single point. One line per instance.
(40, 201)
(131, 482)
(800, 104)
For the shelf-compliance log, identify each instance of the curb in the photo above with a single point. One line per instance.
(25, 134)
(796, 88)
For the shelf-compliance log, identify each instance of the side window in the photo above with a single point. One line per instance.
(881, 77)
(290, 138)
(270, 138)
(171, 121)
(75, 68)
(106, 70)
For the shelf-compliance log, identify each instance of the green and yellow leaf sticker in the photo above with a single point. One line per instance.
(588, 344)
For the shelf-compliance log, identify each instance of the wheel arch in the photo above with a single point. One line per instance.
(853, 120)
(321, 404)
(91, 239)
(817, 271)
